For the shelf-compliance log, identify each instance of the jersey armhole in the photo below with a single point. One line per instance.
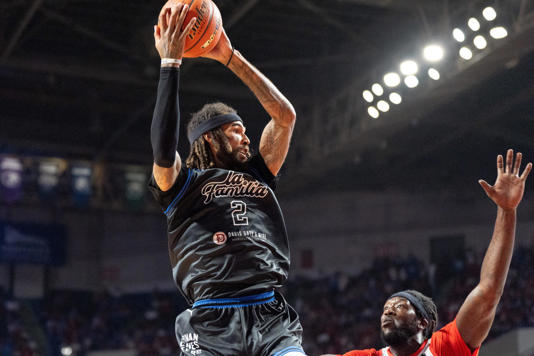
(261, 172)
(181, 193)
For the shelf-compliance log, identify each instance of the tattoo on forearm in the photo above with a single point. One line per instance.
(269, 96)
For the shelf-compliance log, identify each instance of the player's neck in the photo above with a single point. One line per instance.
(410, 347)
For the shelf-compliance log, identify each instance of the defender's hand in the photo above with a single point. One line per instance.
(509, 186)
(169, 38)
(222, 50)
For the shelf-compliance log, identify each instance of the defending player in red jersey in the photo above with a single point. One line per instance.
(409, 318)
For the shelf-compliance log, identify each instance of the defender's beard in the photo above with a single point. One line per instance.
(398, 336)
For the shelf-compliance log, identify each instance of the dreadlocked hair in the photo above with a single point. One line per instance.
(200, 155)
(431, 310)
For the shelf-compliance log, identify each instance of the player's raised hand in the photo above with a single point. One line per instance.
(169, 37)
(509, 186)
(222, 52)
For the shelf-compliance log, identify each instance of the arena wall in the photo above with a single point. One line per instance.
(328, 232)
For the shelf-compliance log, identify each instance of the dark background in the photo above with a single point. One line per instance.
(78, 80)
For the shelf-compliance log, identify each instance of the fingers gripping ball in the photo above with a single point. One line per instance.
(207, 28)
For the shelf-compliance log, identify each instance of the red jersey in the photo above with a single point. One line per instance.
(447, 341)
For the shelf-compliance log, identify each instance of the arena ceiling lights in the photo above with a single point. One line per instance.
(474, 37)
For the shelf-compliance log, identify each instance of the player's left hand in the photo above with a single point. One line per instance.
(509, 186)
(222, 50)
(170, 38)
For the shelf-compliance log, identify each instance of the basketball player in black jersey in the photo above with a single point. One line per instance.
(226, 233)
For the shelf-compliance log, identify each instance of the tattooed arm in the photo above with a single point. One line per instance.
(276, 136)
(274, 143)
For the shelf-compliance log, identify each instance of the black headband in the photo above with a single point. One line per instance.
(415, 302)
(210, 124)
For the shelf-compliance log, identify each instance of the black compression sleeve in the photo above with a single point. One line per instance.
(164, 130)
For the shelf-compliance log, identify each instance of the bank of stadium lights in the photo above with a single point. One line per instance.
(480, 41)
(368, 96)
(472, 39)
(411, 81)
(409, 67)
(433, 73)
(373, 112)
(489, 13)
(377, 89)
(383, 106)
(458, 35)
(466, 53)
(433, 53)
(498, 32)
(406, 75)
(392, 79)
(473, 24)
(395, 98)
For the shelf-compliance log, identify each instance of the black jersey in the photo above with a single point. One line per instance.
(226, 232)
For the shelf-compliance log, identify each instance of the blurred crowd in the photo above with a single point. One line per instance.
(339, 311)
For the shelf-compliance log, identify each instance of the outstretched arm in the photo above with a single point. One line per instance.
(476, 315)
(276, 136)
(169, 41)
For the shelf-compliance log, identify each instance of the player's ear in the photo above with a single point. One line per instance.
(422, 323)
(208, 137)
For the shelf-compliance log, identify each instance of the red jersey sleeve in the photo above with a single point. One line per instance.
(447, 341)
(368, 352)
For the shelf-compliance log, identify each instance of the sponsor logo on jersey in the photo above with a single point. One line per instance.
(234, 185)
(219, 238)
(189, 344)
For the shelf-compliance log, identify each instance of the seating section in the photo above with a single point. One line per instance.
(339, 311)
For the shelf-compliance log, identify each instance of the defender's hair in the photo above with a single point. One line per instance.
(200, 155)
(430, 309)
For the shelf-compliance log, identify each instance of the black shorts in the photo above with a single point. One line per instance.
(258, 325)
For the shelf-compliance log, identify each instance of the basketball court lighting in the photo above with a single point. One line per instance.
(480, 42)
(473, 24)
(433, 53)
(373, 112)
(377, 89)
(409, 67)
(411, 81)
(458, 35)
(489, 13)
(434, 74)
(392, 79)
(466, 53)
(368, 96)
(498, 32)
(395, 98)
(383, 106)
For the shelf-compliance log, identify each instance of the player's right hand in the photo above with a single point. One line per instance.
(222, 51)
(168, 37)
(509, 186)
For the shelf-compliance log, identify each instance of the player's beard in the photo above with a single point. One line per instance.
(231, 161)
(400, 335)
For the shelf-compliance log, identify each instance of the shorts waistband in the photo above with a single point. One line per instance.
(238, 302)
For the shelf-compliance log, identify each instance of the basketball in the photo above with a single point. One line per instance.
(207, 29)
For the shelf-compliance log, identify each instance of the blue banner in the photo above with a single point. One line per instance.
(32, 243)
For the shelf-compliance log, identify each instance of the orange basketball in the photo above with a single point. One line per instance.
(207, 29)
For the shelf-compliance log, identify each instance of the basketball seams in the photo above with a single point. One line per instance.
(211, 11)
(205, 33)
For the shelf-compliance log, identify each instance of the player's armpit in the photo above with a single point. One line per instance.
(274, 145)
(166, 176)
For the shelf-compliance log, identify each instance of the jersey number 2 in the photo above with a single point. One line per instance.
(239, 209)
